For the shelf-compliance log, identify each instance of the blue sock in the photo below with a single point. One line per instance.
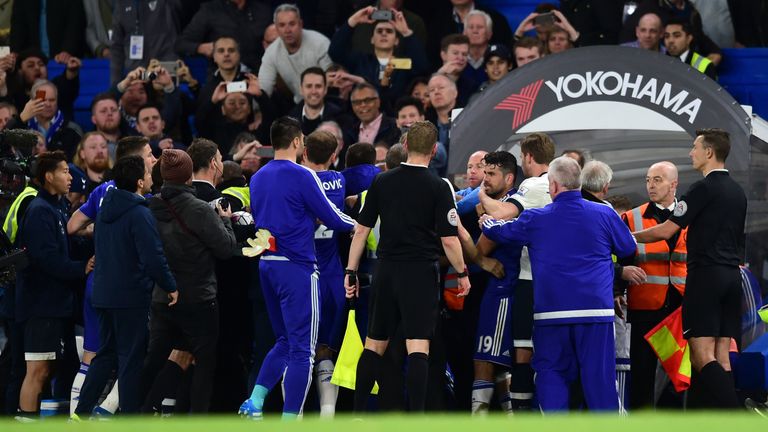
(258, 395)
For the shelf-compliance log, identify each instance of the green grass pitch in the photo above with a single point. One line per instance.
(641, 422)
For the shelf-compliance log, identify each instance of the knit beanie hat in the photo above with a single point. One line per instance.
(175, 166)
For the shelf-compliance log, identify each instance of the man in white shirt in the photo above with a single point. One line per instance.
(294, 51)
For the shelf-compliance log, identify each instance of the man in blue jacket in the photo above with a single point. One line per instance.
(570, 243)
(44, 298)
(131, 261)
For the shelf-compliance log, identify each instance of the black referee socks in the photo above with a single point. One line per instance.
(368, 368)
(416, 381)
(719, 386)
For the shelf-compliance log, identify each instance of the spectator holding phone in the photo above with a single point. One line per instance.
(390, 75)
(142, 86)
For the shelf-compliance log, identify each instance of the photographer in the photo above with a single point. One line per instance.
(380, 68)
(147, 85)
(193, 238)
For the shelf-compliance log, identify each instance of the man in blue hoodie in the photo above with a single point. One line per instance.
(131, 262)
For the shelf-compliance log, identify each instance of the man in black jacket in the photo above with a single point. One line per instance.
(44, 298)
(193, 238)
(131, 261)
(63, 35)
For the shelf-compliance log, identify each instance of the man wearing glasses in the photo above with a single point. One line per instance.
(370, 124)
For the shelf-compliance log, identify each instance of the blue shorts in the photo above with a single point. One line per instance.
(90, 321)
(494, 326)
(332, 316)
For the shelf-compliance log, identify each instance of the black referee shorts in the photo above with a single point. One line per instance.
(406, 292)
(712, 302)
(522, 314)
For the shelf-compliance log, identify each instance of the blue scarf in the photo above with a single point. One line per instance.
(56, 124)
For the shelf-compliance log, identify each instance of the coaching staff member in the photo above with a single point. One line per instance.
(714, 210)
(416, 209)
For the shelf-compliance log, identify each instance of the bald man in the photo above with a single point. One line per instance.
(467, 198)
(649, 31)
(653, 296)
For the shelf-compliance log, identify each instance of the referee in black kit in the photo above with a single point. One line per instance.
(714, 209)
(417, 213)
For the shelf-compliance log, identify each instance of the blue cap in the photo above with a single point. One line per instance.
(78, 179)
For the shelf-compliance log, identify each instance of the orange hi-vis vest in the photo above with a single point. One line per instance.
(660, 264)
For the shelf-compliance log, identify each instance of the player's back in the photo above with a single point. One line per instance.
(326, 244)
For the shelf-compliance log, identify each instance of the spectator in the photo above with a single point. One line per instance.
(443, 95)
(270, 35)
(62, 36)
(408, 111)
(193, 238)
(454, 51)
(597, 22)
(452, 19)
(150, 124)
(558, 41)
(527, 50)
(32, 66)
(378, 68)
(243, 152)
(576, 155)
(297, 50)
(677, 39)
(361, 39)
(240, 113)
(675, 10)
(370, 125)
(123, 284)
(395, 156)
(314, 110)
(497, 63)
(419, 89)
(573, 305)
(92, 157)
(44, 298)
(143, 30)
(649, 32)
(478, 27)
(135, 91)
(44, 116)
(206, 169)
(7, 112)
(531, 23)
(245, 20)
(98, 17)
(105, 116)
(340, 84)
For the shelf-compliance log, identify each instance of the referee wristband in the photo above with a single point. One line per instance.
(350, 272)
(462, 274)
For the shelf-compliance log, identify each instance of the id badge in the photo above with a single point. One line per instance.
(137, 47)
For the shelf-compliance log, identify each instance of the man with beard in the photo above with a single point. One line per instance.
(92, 157)
(151, 124)
(314, 110)
(105, 116)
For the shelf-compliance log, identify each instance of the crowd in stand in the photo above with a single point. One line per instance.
(361, 74)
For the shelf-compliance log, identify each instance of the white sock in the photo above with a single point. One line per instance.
(502, 391)
(327, 392)
(482, 392)
(77, 385)
(111, 402)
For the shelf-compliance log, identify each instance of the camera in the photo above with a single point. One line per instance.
(148, 75)
(16, 161)
(382, 15)
(545, 19)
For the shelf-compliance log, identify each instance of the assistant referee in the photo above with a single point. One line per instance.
(416, 209)
(714, 210)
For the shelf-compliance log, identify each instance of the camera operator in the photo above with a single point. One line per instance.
(193, 238)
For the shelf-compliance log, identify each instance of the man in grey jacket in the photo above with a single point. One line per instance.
(194, 237)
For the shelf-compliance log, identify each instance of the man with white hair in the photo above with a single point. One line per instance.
(570, 243)
(478, 27)
(596, 178)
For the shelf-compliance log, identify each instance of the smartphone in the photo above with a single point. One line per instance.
(382, 15)
(401, 63)
(4, 51)
(170, 66)
(265, 152)
(544, 19)
(237, 87)
(40, 95)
